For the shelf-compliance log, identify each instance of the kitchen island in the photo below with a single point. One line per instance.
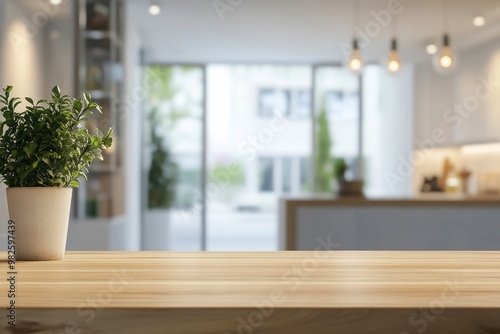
(354, 223)
(268, 293)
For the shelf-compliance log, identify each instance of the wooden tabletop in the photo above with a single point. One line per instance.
(329, 279)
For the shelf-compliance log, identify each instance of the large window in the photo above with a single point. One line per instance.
(219, 163)
(274, 100)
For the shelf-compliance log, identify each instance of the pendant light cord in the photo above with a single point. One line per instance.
(445, 16)
(394, 26)
(355, 17)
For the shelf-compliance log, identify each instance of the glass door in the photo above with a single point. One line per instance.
(259, 145)
(173, 157)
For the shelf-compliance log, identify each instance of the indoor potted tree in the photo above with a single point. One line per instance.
(44, 150)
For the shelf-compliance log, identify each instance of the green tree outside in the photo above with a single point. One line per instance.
(324, 161)
(163, 174)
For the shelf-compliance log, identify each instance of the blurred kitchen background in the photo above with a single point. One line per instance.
(220, 108)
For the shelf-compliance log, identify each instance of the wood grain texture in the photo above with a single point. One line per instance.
(270, 292)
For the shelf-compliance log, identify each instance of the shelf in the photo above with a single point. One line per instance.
(99, 73)
(97, 34)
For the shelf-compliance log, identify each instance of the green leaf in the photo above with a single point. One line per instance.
(107, 142)
(56, 91)
(33, 147)
(74, 183)
(29, 99)
(87, 97)
(84, 176)
(35, 164)
(26, 149)
(77, 105)
(58, 181)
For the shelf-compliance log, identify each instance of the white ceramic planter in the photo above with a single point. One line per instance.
(41, 216)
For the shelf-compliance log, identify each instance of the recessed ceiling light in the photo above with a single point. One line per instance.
(55, 2)
(431, 49)
(478, 21)
(154, 10)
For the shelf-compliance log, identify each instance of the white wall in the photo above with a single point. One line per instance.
(21, 62)
(60, 49)
(2, 35)
(439, 97)
(22, 56)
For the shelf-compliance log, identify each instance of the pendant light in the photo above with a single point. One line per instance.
(393, 64)
(355, 63)
(446, 59)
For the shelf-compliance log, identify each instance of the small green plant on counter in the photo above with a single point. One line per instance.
(46, 145)
(339, 169)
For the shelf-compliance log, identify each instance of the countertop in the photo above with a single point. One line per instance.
(422, 200)
(340, 279)
(294, 292)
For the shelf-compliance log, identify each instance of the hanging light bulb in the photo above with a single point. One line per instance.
(446, 59)
(393, 65)
(154, 9)
(445, 62)
(355, 62)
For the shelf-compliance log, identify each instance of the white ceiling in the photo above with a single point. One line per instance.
(301, 30)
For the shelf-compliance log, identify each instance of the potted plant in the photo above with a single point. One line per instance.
(339, 169)
(44, 150)
(346, 188)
